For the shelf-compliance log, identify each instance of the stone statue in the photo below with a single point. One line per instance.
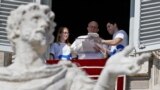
(30, 29)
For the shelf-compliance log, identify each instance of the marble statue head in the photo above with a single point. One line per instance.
(32, 24)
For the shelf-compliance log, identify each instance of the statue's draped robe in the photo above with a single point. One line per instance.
(48, 77)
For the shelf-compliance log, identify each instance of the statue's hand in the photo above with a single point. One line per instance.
(123, 64)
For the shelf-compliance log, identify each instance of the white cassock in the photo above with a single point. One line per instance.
(84, 47)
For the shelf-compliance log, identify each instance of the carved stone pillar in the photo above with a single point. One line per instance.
(156, 74)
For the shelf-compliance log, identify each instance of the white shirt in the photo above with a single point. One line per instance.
(119, 34)
(61, 51)
(87, 53)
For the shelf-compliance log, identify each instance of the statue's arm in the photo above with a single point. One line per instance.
(119, 64)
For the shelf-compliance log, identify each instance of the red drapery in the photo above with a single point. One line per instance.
(92, 67)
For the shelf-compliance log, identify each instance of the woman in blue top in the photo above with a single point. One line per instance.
(60, 50)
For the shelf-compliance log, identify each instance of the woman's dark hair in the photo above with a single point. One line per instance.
(60, 31)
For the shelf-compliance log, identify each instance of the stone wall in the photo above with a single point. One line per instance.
(5, 59)
(150, 81)
(1, 59)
